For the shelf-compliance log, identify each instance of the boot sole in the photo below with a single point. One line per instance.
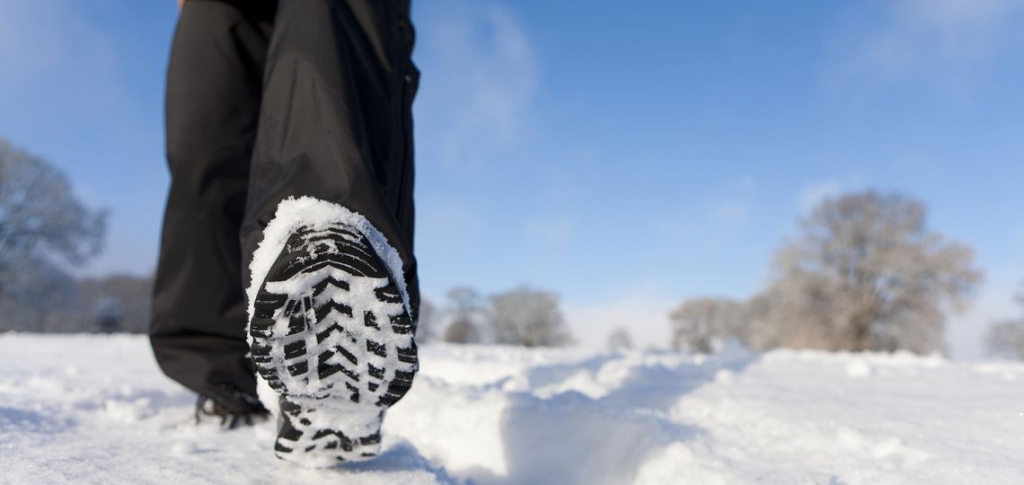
(332, 336)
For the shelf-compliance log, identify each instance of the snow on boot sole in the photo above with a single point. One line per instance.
(330, 334)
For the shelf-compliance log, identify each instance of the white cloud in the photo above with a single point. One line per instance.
(927, 39)
(481, 75)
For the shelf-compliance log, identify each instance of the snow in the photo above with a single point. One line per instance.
(95, 409)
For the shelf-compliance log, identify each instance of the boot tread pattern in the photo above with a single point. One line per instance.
(329, 324)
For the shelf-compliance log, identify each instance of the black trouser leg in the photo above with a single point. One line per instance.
(335, 123)
(214, 88)
(336, 117)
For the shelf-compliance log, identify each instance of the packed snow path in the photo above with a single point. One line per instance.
(93, 409)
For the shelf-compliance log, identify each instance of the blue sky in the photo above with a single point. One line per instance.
(626, 156)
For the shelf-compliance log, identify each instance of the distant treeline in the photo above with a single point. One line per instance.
(118, 303)
(865, 273)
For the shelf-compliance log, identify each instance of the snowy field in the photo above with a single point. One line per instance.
(92, 409)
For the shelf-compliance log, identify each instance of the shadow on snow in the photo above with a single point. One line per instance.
(572, 438)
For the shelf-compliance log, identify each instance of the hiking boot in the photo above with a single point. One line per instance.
(330, 333)
(207, 407)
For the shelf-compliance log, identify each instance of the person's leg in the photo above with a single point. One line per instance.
(333, 291)
(214, 88)
(336, 121)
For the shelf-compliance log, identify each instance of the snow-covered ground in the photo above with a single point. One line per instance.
(93, 409)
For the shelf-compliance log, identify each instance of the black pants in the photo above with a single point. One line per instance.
(268, 100)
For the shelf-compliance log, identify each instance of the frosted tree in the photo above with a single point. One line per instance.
(866, 273)
(619, 339)
(466, 307)
(39, 215)
(42, 224)
(756, 327)
(700, 324)
(1005, 339)
(529, 318)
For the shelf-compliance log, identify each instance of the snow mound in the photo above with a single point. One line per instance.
(92, 409)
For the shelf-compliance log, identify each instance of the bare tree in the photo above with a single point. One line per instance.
(1006, 339)
(529, 318)
(461, 332)
(867, 274)
(466, 307)
(756, 327)
(619, 339)
(699, 325)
